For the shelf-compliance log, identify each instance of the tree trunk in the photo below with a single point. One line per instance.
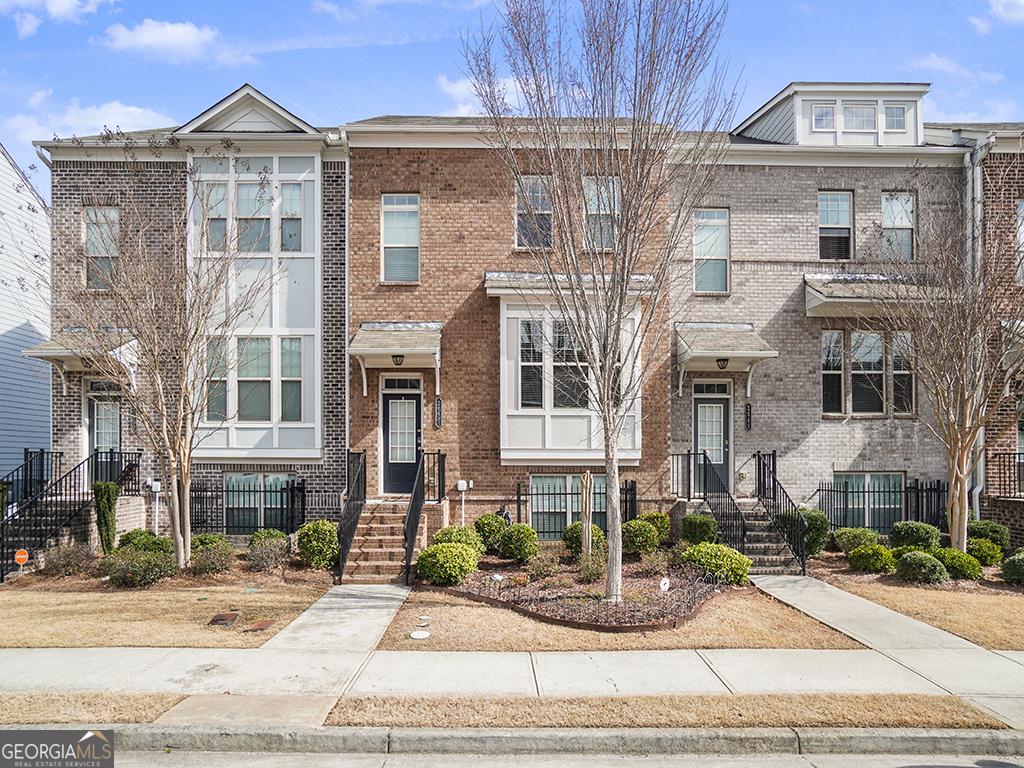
(186, 514)
(613, 585)
(958, 504)
(174, 495)
(586, 511)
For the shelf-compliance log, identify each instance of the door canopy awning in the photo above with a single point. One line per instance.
(537, 284)
(398, 345)
(723, 347)
(72, 351)
(857, 295)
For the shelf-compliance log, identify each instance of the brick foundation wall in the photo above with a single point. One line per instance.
(1009, 512)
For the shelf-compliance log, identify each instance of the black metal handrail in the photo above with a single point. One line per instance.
(37, 471)
(433, 476)
(1008, 469)
(681, 472)
(849, 505)
(412, 518)
(782, 511)
(732, 525)
(355, 501)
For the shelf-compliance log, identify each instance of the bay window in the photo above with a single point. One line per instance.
(531, 364)
(570, 372)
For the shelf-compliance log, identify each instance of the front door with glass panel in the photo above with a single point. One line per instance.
(711, 432)
(401, 430)
(104, 415)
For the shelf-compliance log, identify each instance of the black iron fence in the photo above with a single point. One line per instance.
(38, 469)
(782, 511)
(433, 476)
(550, 508)
(355, 500)
(1008, 471)
(239, 509)
(858, 505)
(682, 469)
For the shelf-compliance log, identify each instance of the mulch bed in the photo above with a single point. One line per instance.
(833, 568)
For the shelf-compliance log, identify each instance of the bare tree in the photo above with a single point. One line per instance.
(608, 116)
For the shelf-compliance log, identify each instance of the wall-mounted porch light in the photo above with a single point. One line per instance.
(722, 363)
(398, 359)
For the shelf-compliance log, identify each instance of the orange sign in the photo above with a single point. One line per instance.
(21, 556)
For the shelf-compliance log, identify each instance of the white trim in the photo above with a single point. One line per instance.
(419, 235)
(727, 424)
(233, 100)
(835, 122)
(728, 251)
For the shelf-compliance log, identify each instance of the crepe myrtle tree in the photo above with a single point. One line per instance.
(159, 297)
(945, 337)
(607, 117)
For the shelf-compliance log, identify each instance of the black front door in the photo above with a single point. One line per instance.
(711, 434)
(401, 426)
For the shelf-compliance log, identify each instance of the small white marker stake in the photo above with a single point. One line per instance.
(665, 584)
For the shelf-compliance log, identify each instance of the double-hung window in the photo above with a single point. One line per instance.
(601, 194)
(400, 238)
(531, 364)
(216, 379)
(835, 225)
(870, 499)
(291, 217)
(570, 373)
(832, 389)
(902, 373)
(102, 231)
(859, 117)
(291, 379)
(895, 117)
(252, 205)
(253, 379)
(533, 212)
(216, 204)
(867, 363)
(711, 250)
(824, 117)
(898, 225)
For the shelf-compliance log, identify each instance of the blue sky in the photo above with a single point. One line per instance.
(73, 66)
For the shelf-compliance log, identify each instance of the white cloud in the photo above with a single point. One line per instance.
(933, 62)
(467, 104)
(26, 23)
(331, 9)
(166, 40)
(1011, 11)
(28, 15)
(78, 120)
(981, 25)
(38, 97)
(987, 111)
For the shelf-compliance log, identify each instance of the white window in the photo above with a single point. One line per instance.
(291, 379)
(254, 500)
(833, 394)
(896, 117)
(898, 225)
(902, 373)
(602, 200)
(711, 251)
(835, 216)
(216, 380)
(859, 117)
(531, 364)
(870, 499)
(252, 219)
(533, 213)
(570, 372)
(216, 212)
(102, 231)
(291, 217)
(824, 117)
(400, 238)
(867, 380)
(253, 391)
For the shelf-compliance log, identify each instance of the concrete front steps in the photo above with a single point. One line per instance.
(765, 545)
(378, 549)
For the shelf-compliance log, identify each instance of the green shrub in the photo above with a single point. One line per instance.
(105, 500)
(490, 527)
(921, 568)
(208, 539)
(985, 551)
(675, 555)
(995, 532)
(911, 533)
(871, 558)
(639, 537)
(542, 565)
(572, 537)
(446, 564)
(720, 561)
(146, 541)
(318, 544)
(518, 542)
(899, 552)
(132, 567)
(848, 539)
(959, 565)
(698, 528)
(1013, 569)
(593, 567)
(265, 534)
(213, 557)
(654, 563)
(268, 553)
(816, 535)
(661, 524)
(460, 534)
(68, 559)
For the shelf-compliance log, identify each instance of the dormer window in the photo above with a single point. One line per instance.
(824, 117)
(896, 118)
(859, 117)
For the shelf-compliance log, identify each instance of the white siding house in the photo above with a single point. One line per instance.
(24, 315)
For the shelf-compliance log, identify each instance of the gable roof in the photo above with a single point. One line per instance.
(246, 110)
(28, 182)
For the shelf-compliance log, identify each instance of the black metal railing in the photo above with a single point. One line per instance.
(38, 469)
(239, 509)
(1008, 469)
(355, 501)
(732, 525)
(852, 505)
(682, 467)
(412, 517)
(38, 518)
(552, 507)
(433, 476)
(782, 511)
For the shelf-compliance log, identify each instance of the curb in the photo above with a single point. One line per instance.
(515, 741)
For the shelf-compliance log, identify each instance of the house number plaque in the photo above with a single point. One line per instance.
(747, 416)
(437, 413)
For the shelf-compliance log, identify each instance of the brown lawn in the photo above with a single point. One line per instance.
(741, 618)
(988, 612)
(711, 711)
(99, 708)
(85, 612)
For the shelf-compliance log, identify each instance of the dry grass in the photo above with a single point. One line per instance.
(713, 711)
(37, 708)
(735, 619)
(80, 612)
(989, 613)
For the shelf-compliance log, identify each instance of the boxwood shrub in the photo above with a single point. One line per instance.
(911, 533)
(898, 552)
(871, 558)
(816, 535)
(995, 532)
(318, 544)
(661, 523)
(698, 528)
(1013, 569)
(719, 560)
(490, 527)
(921, 568)
(460, 534)
(447, 563)
(848, 539)
(639, 536)
(518, 542)
(985, 551)
(146, 541)
(959, 565)
(572, 537)
(132, 567)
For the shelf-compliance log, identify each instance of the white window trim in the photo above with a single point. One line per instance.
(615, 210)
(728, 253)
(913, 219)
(85, 241)
(519, 369)
(885, 118)
(885, 394)
(869, 496)
(858, 105)
(841, 373)
(419, 239)
(282, 379)
(835, 120)
(853, 218)
(894, 372)
(515, 218)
